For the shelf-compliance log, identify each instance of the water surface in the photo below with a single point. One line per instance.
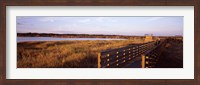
(27, 39)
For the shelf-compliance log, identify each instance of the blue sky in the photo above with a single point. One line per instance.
(158, 26)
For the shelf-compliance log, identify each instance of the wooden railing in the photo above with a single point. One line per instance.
(120, 57)
(151, 57)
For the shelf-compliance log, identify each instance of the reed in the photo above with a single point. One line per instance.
(65, 54)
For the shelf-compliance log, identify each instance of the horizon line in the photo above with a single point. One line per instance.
(99, 34)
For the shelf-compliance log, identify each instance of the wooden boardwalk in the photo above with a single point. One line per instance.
(121, 57)
(146, 55)
(172, 56)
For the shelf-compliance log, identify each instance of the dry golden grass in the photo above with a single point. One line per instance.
(65, 54)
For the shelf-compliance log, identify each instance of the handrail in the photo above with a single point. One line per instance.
(119, 57)
(151, 57)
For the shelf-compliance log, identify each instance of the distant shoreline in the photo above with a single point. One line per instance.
(83, 35)
(74, 35)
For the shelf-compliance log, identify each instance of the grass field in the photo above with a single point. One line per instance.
(65, 54)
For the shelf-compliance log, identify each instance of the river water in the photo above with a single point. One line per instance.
(27, 39)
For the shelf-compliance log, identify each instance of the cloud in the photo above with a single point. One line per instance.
(24, 23)
(48, 19)
(18, 23)
(100, 19)
(63, 32)
(20, 17)
(106, 19)
(154, 18)
(84, 20)
(113, 20)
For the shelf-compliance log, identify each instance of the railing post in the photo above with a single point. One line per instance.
(143, 61)
(99, 60)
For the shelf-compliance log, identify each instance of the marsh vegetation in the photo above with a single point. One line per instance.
(65, 54)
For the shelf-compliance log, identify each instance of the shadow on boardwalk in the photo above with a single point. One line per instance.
(171, 57)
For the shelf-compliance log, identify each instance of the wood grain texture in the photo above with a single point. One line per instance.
(101, 2)
(2, 42)
(87, 2)
(197, 42)
(4, 3)
(180, 2)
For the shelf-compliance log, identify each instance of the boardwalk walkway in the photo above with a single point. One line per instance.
(167, 53)
(171, 57)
